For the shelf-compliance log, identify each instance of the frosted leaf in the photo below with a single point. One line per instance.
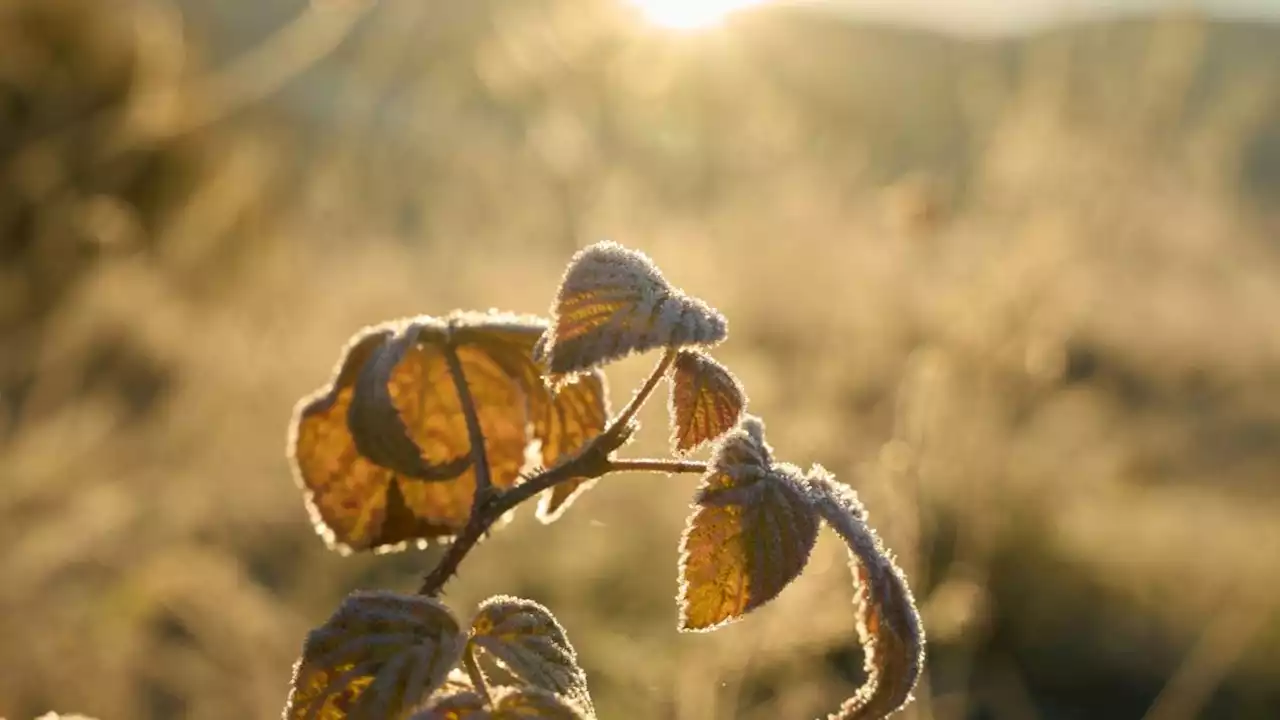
(527, 642)
(706, 400)
(614, 302)
(750, 534)
(379, 654)
(889, 626)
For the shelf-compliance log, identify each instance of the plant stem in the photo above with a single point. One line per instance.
(624, 418)
(476, 675)
(586, 464)
(670, 467)
(592, 461)
(475, 436)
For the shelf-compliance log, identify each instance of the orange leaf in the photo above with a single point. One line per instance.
(382, 502)
(706, 400)
(578, 412)
(749, 536)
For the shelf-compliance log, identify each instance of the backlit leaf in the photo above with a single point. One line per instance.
(614, 302)
(750, 533)
(706, 400)
(526, 640)
(382, 502)
(376, 425)
(889, 625)
(379, 654)
(578, 412)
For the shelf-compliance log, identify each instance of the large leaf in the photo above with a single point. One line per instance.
(378, 655)
(706, 400)
(528, 643)
(383, 454)
(614, 302)
(750, 533)
(889, 626)
(358, 503)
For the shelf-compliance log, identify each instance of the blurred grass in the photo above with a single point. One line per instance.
(1020, 294)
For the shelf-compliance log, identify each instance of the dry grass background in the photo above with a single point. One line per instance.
(1023, 296)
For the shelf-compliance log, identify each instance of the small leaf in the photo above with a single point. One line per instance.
(706, 400)
(578, 413)
(749, 536)
(360, 482)
(889, 624)
(527, 641)
(379, 654)
(614, 302)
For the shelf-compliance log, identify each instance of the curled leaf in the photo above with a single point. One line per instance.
(578, 412)
(376, 425)
(614, 302)
(379, 654)
(749, 536)
(706, 400)
(525, 639)
(353, 443)
(889, 626)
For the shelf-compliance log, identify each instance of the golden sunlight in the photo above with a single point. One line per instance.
(689, 14)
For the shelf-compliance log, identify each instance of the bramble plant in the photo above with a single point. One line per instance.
(434, 430)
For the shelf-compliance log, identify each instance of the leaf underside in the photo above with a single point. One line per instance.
(525, 639)
(889, 625)
(379, 654)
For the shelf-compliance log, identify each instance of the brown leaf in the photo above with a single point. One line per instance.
(529, 644)
(379, 653)
(706, 400)
(749, 536)
(358, 503)
(614, 302)
(578, 412)
(889, 626)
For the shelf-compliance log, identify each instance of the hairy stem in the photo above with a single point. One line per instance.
(475, 436)
(657, 465)
(624, 418)
(476, 675)
(590, 462)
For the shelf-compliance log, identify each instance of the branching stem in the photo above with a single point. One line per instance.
(591, 462)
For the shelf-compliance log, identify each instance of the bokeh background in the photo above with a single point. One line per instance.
(1012, 270)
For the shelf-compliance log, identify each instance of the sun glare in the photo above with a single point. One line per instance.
(689, 14)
